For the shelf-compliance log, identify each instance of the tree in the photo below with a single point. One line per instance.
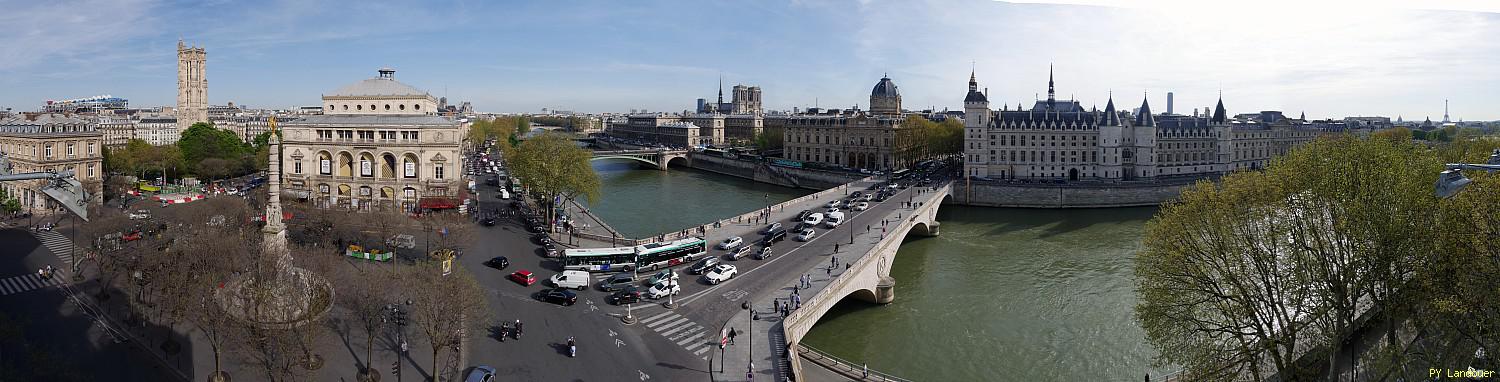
(365, 297)
(769, 139)
(937, 138)
(8, 204)
(444, 309)
(555, 168)
(1394, 133)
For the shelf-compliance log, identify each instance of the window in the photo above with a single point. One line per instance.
(359, 107)
(297, 167)
(49, 151)
(330, 107)
(323, 188)
(91, 149)
(365, 167)
(417, 106)
(387, 107)
(410, 170)
(401, 107)
(437, 171)
(70, 150)
(325, 166)
(372, 107)
(409, 193)
(346, 107)
(91, 171)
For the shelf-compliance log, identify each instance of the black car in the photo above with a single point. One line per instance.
(616, 282)
(497, 262)
(559, 296)
(542, 238)
(629, 295)
(775, 236)
(801, 226)
(703, 266)
(803, 215)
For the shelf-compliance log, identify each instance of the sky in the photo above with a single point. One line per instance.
(1329, 58)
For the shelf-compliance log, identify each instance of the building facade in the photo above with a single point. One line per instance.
(158, 130)
(192, 85)
(877, 140)
(51, 142)
(116, 130)
(1060, 140)
(379, 144)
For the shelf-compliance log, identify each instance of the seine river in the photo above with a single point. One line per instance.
(1002, 294)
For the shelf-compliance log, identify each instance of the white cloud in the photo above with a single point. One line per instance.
(81, 31)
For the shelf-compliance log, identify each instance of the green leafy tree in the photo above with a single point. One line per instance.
(769, 139)
(554, 167)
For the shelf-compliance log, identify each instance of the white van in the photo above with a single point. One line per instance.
(834, 219)
(504, 194)
(571, 279)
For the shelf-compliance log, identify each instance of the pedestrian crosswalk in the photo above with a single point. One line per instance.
(23, 283)
(58, 244)
(680, 330)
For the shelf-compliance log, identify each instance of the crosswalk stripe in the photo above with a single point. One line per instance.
(6, 286)
(24, 284)
(690, 339)
(695, 329)
(13, 283)
(36, 282)
(653, 318)
(665, 320)
(681, 327)
(700, 351)
(659, 327)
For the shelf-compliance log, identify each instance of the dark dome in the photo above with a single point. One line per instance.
(885, 88)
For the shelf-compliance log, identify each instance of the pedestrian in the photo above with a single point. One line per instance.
(866, 368)
(796, 301)
(830, 270)
(835, 247)
(731, 336)
(867, 228)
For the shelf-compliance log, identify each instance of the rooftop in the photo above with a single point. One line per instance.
(383, 85)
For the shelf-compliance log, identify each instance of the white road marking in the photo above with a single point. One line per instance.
(643, 375)
(619, 343)
(653, 318)
(676, 329)
(674, 323)
(690, 339)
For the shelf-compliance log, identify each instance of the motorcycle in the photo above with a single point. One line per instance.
(504, 330)
(517, 331)
(572, 348)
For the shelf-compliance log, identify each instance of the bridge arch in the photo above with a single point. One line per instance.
(624, 157)
(677, 160)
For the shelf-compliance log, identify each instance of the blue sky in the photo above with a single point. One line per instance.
(1328, 58)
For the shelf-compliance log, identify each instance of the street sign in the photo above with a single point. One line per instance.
(447, 266)
(723, 337)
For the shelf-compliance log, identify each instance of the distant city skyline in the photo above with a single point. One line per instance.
(1327, 59)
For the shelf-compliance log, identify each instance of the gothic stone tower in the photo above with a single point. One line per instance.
(192, 86)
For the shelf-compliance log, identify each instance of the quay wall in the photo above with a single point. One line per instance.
(995, 194)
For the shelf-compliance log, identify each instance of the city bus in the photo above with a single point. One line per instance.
(623, 259)
(900, 174)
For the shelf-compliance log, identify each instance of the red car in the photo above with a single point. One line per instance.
(133, 236)
(524, 277)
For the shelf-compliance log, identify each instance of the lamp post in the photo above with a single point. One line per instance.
(1452, 180)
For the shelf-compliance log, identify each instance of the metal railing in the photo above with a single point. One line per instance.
(852, 370)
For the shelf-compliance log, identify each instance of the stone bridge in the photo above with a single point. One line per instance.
(658, 158)
(868, 277)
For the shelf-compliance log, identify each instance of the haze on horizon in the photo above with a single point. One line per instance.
(1329, 59)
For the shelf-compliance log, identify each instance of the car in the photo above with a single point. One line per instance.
(570, 279)
(802, 215)
(806, 234)
(862, 206)
(661, 277)
(140, 214)
(771, 228)
(132, 236)
(402, 241)
(497, 262)
(481, 374)
(866, 198)
(765, 253)
(774, 236)
(834, 219)
(616, 282)
(541, 238)
(813, 219)
(629, 295)
(737, 253)
(731, 243)
(487, 222)
(721, 273)
(834, 203)
(801, 226)
(560, 296)
(550, 249)
(831, 210)
(524, 277)
(663, 290)
(703, 265)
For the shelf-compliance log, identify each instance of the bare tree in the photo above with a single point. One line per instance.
(365, 297)
(444, 309)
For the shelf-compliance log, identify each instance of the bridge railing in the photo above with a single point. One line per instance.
(745, 217)
(858, 372)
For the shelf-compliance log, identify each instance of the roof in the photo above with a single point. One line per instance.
(385, 85)
(975, 96)
(1219, 112)
(1143, 117)
(374, 120)
(1111, 117)
(885, 88)
(1058, 106)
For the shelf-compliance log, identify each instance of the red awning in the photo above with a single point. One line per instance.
(438, 203)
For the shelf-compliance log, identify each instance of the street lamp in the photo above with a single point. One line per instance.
(1452, 179)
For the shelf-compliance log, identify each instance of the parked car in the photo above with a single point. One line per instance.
(862, 206)
(661, 277)
(131, 236)
(629, 295)
(806, 234)
(721, 273)
(524, 277)
(559, 296)
(481, 374)
(737, 253)
(616, 282)
(402, 241)
(731, 243)
(140, 214)
(664, 289)
(765, 253)
(771, 228)
(813, 219)
(497, 262)
(703, 265)
(570, 279)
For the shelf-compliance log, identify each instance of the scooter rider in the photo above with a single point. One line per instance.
(518, 329)
(572, 347)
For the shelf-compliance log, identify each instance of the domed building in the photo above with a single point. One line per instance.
(877, 139)
(379, 144)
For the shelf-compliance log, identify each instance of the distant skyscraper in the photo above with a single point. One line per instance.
(1169, 102)
(192, 86)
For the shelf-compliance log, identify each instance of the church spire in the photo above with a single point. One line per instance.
(721, 88)
(1051, 91)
